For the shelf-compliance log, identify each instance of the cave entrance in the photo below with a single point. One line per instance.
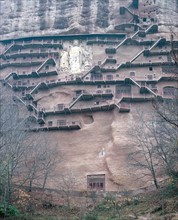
(96, 182)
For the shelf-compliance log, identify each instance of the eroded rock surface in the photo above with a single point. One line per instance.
(21, 18)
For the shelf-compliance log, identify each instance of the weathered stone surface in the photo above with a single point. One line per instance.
(34, 17)
(168, 14)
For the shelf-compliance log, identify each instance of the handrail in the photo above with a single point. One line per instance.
(151, 91)
(155, 43)
(136, 56)
(149, 28)
(36, 87)
(12, 44)
(18, 98)
(8, 76)
(46, 61)
(75, 101)
(121, 43)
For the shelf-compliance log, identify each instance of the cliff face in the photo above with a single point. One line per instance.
(168, 12)
(113, 69)
(35, 17)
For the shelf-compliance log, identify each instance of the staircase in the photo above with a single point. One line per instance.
(133, 81)
(75, 101)
(12, 44)
(135, 34)
(45, 62)
(120, 65)
(149, 28)
(8, 76)
(155, 43)
(121, 43)
(36, 87)
(15, 97)
(136, 56)
(151, 91)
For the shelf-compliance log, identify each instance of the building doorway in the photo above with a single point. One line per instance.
(96, 182)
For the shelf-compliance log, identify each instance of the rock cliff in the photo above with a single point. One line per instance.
(100, 145)
(21, 18)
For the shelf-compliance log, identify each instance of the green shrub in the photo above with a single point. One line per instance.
(135, 201)
(91, 216)
(13, 211)
(102, 207)
(169, 191)
(10, 211)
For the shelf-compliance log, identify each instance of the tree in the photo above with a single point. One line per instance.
(67, 186)
(167, 109)
(157, 139)
(50, 160)
(12, 138)
(167, 147)
(41, 159)
(144, 158)
(25, 157)
(156, 144)
(173, 48)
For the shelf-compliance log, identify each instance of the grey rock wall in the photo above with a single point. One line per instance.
(168, 14)
(33, 17)
(21, 18)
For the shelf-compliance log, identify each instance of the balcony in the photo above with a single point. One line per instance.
(97, 106)
(57, 110)
(55, 126)
(124, 107)
(41, 118)
(20, 63)
(39, 43)
(99, 93)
